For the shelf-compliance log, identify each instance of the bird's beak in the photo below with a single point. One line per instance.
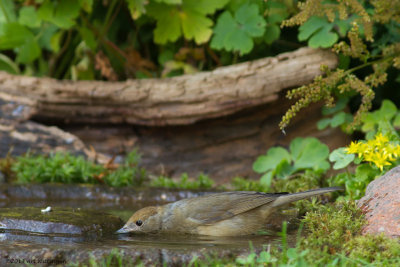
(123, 230)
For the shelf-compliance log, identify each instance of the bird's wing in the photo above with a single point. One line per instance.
(226, 205)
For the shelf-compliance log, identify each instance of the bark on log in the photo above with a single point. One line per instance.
(171, 101)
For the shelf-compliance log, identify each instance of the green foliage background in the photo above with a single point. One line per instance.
(116, 39)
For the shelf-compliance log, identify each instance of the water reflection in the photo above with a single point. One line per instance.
(137, 241)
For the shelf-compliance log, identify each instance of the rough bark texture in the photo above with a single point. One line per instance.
(171, 101)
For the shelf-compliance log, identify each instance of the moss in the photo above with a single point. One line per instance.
(374, 248)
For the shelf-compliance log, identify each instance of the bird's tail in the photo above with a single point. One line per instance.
(284, 199)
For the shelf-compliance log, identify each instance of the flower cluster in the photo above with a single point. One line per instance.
(379, 151)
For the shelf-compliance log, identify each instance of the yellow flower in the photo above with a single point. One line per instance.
(377, 151)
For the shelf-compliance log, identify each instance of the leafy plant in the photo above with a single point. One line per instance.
(321, 33)
(64, 39)
(183, 17)
(201, 182)
(374, 60)
(63, 167)
(235, 33)
(338, 117)
(383, 120)
(380, 153)
(304, 153)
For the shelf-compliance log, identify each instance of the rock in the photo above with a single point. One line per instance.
(381, 204)
(60, 221)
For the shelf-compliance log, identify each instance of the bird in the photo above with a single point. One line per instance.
(233, 213)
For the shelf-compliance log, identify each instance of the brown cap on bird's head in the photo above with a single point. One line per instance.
(141, 221)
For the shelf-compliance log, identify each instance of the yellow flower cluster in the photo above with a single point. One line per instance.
(378, 151)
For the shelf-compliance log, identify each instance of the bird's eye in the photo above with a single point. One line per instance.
(139, 222)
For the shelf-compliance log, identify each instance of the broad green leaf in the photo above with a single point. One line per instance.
(272, 33)
(14, 35)
(6, 64)
(308, 152)
(168, 23)
(47, 32)
(283, 169)
(274, 156)
(86, 5)
(88, 37)
(249, 19)
(341, 103)
(61, 13)
(65, 13)
(7, 11)
(341, 158)
(187, 19)
(388, 110)
(29, 17)
(322, 165)
(204, 7)
(170, 2)
(318, 32)
(28, 52)
(276, 12)
(338, 119)
(365, 172)
(196, 26)
(266, 179)
(323, 38)
(396, 121)
(323, 123)
(137, 7)
(236, 33)
(46, 10)
(55, 41)
(310, 27)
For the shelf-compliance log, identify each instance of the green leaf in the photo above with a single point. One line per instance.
(47, 32)
(341, 103)
(323, 123)
(338, 119)
(276, 12)
(323, 38)
(308, 152)
(274, 156)
(55, 41)
(29, 17)
(14, 35)
(396, 121)
(236, 33)
(137, 7)
(318, 32)
(341, 158)
(266, 179)
(272, 33)
(6, 64)
(388, 110)
(28, 52)
(310, 27)
(86, 5)
(188, 19)
(88, 37)
(284, 169)
(196, 26)
(168, 23)
(7, 12)
(170, 1)
(61, 13)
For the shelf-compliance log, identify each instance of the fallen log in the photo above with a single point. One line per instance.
(169, 101)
